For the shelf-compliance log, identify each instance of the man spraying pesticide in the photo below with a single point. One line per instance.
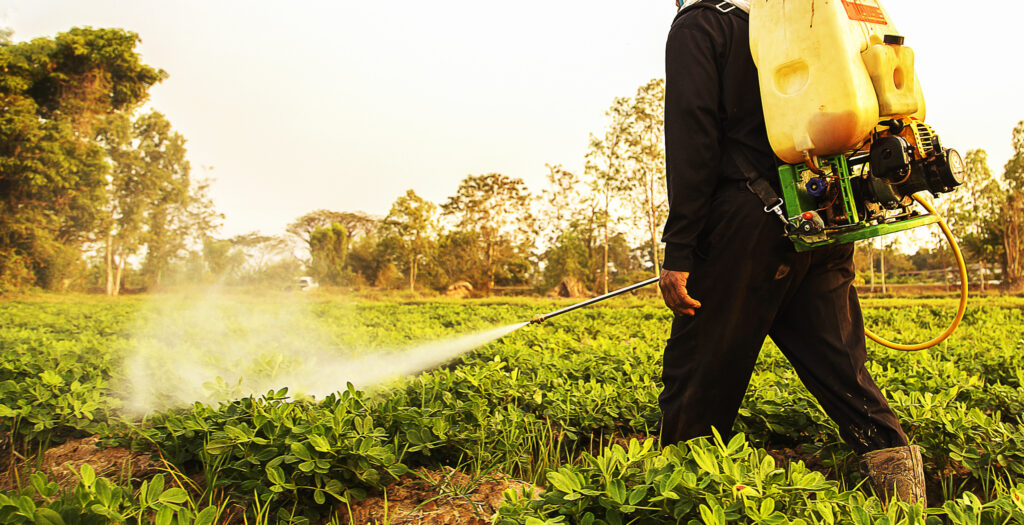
(792, 129)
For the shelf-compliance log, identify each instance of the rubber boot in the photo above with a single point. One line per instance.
(896, 472)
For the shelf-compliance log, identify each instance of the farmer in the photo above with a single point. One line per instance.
(730, 276)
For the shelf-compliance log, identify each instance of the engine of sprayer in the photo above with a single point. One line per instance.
(846, 198)
(845, 111)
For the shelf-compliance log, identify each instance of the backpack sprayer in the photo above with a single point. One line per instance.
(845, 112)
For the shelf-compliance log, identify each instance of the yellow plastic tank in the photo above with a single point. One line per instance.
(829, 70)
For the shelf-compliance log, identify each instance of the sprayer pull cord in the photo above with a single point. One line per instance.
(963, 292)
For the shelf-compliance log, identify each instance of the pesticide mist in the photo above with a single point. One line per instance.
(219, 348)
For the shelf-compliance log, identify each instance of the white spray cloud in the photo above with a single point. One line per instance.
(219, 348)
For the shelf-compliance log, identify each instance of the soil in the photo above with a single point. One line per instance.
(954, 474)
(445, 497)
(62, 463)
(784, 456)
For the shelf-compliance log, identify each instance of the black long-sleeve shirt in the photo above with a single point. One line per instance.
(712, 98)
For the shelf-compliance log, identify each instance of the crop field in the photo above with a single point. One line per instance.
(551, 424)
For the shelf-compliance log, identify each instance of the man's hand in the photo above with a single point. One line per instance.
(673, 290)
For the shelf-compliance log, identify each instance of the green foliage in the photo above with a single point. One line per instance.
(92, 71)
(52, 172)
(458, 256)
(328, 247)
(496, 208)
(537, 405)
(1012, 213)
(363, 254)
(95, 500)
(569, 257)
(697, 482)
(284, 453)
(409, 228)
(1014, 169)
(152, 201)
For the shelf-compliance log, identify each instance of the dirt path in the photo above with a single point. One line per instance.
(446, 497)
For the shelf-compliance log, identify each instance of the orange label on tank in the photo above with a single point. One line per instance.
(865, 12)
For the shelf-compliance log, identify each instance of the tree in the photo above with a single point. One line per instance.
(368, 260)
(1012, 227)
(357, 224)
(1013, 241)
(564, 202)
(569, 257)
(221, 258)
(498, 209)
(179, 202)
(123, 224)
(624, 267)
(411, 223)
(329, 253)
(92, 72)
(571, 216)
(459, 256)
(152, 201)
(250, 258)
(606, 166)
(628, 164)
(645, 173)
(973, 213)
(864, 257)
(52, 173)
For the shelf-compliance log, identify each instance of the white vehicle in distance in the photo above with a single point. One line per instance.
(306, 283)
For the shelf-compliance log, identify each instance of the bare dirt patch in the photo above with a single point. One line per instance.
(446, 497)
(784, 456)
(62, 463)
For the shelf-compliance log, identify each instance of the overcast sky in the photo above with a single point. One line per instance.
(293, 106)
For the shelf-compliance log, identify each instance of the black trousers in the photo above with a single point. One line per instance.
(753, 284)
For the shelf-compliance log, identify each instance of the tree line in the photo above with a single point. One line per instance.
(97, 194)
(83, 169)
(987, 214)
(585, 231)
(599, 229)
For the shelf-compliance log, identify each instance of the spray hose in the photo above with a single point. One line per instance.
(963, 292)
(889, 344)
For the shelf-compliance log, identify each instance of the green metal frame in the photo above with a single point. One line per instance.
(794, 178)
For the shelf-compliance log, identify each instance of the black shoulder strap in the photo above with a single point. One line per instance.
(718, 5)
(757, 184)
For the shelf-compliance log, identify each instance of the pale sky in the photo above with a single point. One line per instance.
(345, 105)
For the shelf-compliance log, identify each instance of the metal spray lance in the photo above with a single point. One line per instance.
(541, 318)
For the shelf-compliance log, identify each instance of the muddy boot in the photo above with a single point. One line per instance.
(896, 472)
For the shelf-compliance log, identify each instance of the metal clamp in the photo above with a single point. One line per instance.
(777, 210)
(725, 10)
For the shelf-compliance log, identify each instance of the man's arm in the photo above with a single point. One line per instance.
(692, 132)
(692, 145)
